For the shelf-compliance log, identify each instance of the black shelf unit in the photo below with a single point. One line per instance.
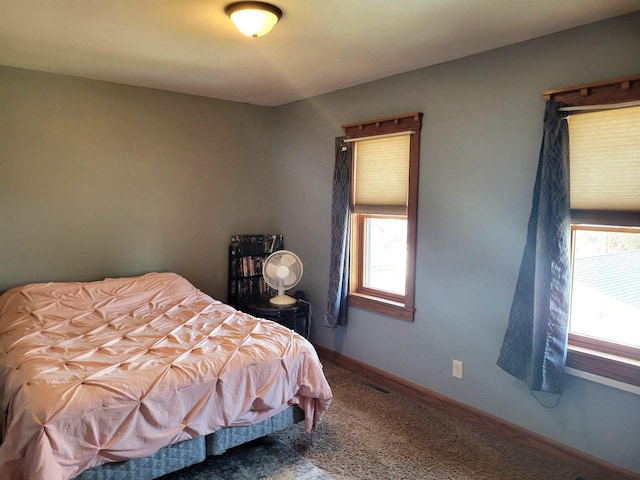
(248, 291)
(246, 256)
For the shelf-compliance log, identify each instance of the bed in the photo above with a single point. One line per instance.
(102, 379)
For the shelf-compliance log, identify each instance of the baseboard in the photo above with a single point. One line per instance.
(590, 467)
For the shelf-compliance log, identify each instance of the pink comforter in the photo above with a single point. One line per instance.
(111, 370)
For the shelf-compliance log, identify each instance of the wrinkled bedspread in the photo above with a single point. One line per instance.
(116, 369)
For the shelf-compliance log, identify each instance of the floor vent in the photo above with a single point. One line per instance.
(376, 387)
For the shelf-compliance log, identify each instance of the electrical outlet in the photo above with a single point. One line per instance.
(457, 369)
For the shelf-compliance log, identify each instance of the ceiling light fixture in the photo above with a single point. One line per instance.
(254, 19)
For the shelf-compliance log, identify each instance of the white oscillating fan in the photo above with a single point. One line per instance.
(282, 270)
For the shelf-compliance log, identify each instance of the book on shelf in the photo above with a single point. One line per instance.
(255, 286)
(247, 254)
(246, 266)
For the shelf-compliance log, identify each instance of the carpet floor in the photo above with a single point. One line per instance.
(373, 435)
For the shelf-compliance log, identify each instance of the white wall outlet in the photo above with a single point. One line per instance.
(457, 369)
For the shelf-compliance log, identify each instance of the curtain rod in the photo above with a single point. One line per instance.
(611, 106)
(371, 137)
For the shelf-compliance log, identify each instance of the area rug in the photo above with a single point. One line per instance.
(262, 459)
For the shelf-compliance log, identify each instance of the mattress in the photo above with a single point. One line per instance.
(108, 371)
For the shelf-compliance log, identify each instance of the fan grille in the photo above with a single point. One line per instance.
(282, 270)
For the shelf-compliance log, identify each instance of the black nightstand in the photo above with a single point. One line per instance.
(295, 317)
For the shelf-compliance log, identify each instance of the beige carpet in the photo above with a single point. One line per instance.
(372, 435)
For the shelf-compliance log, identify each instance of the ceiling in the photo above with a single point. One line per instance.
(190, 46)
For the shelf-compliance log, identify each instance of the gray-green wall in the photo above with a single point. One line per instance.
(481, 134)
(99, 179)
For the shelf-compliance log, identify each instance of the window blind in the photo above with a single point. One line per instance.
(604, 151)
(381, 180)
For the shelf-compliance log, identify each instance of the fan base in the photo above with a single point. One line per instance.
(282, 300)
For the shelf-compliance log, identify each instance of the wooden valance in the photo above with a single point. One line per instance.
(381, 126)
(600, 93)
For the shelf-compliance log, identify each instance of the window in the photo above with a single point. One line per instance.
(605, 296)
(384, 261)
(604, 328)
(384, 206)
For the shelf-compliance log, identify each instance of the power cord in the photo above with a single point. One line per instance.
(546, 406)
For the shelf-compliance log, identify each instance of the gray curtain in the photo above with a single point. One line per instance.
(535, 342)
(340, 232)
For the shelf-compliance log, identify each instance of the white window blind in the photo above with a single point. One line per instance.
(604, 153)
(381, 180)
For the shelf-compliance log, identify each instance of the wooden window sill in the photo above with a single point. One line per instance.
(380, 305)
(615, 367)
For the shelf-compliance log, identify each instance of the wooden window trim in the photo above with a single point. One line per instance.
(382, 126)
(603, 228)
(619, 90)
(593, 360)
(605, 347)
(379, 305)
(401, 307)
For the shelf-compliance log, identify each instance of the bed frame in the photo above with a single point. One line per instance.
(184, 454)
(181, 455)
